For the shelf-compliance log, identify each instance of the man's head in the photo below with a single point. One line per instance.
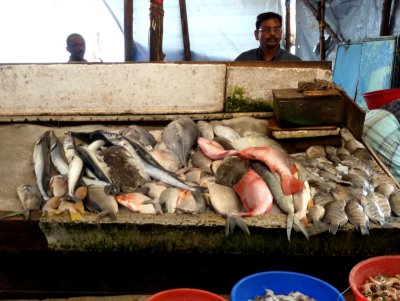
(268, 29)
(76, 46)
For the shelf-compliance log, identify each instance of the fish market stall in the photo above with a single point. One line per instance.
(185, 216)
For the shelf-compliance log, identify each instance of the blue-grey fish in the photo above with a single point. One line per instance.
(285, 202)
(205, 129)
(57, 154)
(180, 136)
(135, 132)
(42, 164)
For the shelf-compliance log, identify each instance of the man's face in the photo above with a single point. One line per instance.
(77, 47)
(269, 34)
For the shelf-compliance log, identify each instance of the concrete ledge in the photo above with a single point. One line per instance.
(62, 89)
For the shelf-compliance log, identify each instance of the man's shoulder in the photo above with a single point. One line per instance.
(284, 55)
(249, 55)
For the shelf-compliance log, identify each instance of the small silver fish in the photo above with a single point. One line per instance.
(57, 154)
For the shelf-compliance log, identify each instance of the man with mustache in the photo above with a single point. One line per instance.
(269, 33)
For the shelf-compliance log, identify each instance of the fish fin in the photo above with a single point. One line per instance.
(291, 185)
(333, 229)
(289, 225)
(310, 203)
(299, 226)
(364, 230)
(106, 213)
(293, 170)
(234, 220)
(25, 213)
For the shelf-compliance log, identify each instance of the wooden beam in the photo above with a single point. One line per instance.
(156, 30)
(386, 6)
(128, 29)
(185, 31)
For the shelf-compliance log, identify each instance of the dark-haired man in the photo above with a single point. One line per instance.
(269, 33)
(76, 46)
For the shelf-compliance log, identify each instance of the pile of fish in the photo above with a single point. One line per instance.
(381, 287)
(231, 167)
(292, 296)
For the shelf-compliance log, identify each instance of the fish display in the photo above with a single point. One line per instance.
(220, 166)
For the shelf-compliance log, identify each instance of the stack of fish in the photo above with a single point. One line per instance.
(231, 167)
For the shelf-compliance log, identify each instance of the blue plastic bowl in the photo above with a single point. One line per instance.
(281, 282)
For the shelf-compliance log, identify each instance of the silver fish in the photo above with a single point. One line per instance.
(75, 171)
(169, 199)
(205, 129)
(357, 216)
(200, 160)
(225, 131)
(226, 202)
(98, 200)
(42, 164)
(181, 135)
(57, 154)
(255, 140)
(94, 162)
(135, 132)
(69, 146)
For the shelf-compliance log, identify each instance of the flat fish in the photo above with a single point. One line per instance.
(167, 159)
(254, 193)
(357, 216)
(98, 200)
(255, 140)
(373, 210)
(42, 164)
(200, 160)
(225, 202)
(394, 200)
(205, 129)
(137, 202)
(169, 199)
(180, 136)
(315, 214)
(316, 151)
(122, 169)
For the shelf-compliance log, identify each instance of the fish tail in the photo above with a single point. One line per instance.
(304, 221)
(333, 229)
(232, 221)
(364, 230)
(291, 185)
(300, 226)
(289, 225)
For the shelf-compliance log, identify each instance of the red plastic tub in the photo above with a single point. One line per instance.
(387, 265)
(185, 294)
(377, 99)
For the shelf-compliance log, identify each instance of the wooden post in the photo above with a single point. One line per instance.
(156, 30)
(287, 31)
(185, 31)
(128, 29)
(321, 9)
(386, 6)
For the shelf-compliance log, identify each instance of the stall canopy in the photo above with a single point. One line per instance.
(35, 31)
